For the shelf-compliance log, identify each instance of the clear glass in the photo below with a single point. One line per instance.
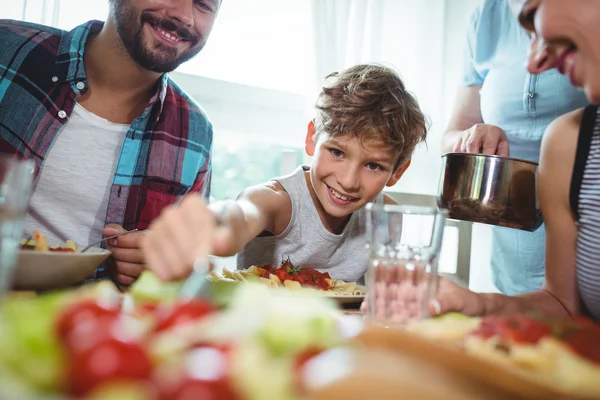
(404, 244)
(16, 177)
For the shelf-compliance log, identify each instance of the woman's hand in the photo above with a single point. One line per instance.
(453, 298)
(482, 138)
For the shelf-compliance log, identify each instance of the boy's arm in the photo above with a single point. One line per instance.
(559, 293)
(257, 209)
(193, 230)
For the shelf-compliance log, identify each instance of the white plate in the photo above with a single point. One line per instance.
(347, 299)
(43, 270)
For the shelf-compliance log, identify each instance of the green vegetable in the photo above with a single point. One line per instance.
(453, 315)
(29, 349)
(290, 267)
(149, 287)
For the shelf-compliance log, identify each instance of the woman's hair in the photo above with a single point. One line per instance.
(370, 101)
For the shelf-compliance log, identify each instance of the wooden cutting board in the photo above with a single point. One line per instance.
(377, 373)
(473, 373)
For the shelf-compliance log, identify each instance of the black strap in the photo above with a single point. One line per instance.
(586, 132)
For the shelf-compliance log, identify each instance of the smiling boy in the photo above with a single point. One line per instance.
(361, 141)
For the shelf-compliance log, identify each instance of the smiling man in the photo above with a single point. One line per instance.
(114, 139)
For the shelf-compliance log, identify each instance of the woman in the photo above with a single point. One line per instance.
(502, 109)
(569, 181)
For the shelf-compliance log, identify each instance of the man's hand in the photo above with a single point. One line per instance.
(127, 260)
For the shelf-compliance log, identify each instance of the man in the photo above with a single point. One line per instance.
(113, 138)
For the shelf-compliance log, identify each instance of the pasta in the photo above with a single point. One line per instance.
(563, 353)
(40, 243)
(290, 277)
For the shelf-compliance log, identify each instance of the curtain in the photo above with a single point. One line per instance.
(345, 33)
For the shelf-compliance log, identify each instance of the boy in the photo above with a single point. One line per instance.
(361, 141)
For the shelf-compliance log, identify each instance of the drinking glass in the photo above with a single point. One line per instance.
(404, 244)
(16, 177)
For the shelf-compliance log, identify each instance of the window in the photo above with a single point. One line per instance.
(73, 13)
(240, 162)
(13, 9)
(265, 43)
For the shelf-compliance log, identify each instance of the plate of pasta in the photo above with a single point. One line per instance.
(44, 266)
(292, 277)
(536, 357)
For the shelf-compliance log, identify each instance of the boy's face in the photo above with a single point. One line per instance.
(161, 34)
(347, 173)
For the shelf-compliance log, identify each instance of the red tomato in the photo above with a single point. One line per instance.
(183, 313)
(305, 356)
(148, 308)
(194, 389)
(581, 335)
(80, 313)
(517, 329)
(89, 333)
(300, 362)
(207, 376)
(108, 361)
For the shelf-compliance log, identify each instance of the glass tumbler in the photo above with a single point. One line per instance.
(404, 244)
(16, 178)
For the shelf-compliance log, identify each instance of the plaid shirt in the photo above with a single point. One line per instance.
(166, 152)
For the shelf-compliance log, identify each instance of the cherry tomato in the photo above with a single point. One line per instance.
(89, 333)
(517, 329)
(299, 363)
(305, 356)
(183, 313)
(108, 361)
(81, 312)
(206, 377)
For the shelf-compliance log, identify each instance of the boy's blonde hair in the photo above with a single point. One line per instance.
(370, 101)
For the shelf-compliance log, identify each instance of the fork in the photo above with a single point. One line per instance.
(106, 238)
(196, 283)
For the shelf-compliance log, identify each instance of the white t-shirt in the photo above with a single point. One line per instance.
(70, 196)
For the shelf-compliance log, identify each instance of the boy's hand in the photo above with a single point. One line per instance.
(177, 238)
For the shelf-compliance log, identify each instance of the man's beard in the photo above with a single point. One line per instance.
(162, 58)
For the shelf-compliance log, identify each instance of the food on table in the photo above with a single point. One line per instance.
(563, 353)
(40, 243)
(73, 344)
(291, 277)
(148, 288)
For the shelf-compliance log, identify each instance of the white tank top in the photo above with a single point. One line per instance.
(307, 242)
(70, 197)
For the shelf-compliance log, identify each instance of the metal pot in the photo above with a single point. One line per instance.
(490, 190)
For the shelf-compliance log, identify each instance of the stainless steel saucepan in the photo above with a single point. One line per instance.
(491, 190)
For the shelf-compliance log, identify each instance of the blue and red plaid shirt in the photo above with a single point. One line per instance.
(166, 152)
